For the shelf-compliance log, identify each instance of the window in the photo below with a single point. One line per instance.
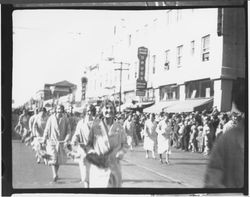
(169, 92)
(205, 48)
(179, 55)
(154, 62)
(128, 76)
(200, 89)
(166, 65)
(192, 47)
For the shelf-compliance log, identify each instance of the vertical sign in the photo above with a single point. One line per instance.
(141, 83)
(84, 84)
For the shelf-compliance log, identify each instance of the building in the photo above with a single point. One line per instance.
(61, 92)
(195, 57)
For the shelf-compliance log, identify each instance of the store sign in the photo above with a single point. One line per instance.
(140, 92)
(84, 84)
(141, 83)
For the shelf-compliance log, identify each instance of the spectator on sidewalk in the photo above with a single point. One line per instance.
(226, 165)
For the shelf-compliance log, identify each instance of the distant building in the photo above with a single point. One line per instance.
(196, 56)
(62, 90)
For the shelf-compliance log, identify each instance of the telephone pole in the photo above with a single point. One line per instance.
(121, 69)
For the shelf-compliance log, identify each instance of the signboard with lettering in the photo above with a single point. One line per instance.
(141, 83)
(140, 92)
(84, 84)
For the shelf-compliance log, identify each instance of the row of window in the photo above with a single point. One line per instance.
(179, 53)
(193, 89)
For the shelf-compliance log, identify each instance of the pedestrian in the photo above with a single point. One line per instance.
(193, 136)
(38, 131)
(226, 164)
(30, 134)
(150, 136)
(22, 127)
(130, 130)
(231, 123)
(57, 133)
(186, 134)
(80, 139)
(223, 120)
(200, 139)
(164, 130)
(208, 135)
(107, 146)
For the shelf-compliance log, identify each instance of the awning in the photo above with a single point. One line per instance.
(180, 106)
(136, 106)
(190, 105)
(158, 107)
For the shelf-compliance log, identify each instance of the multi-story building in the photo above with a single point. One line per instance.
(195, 57)
(62, 92)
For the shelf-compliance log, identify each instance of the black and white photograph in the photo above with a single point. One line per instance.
(147, 98)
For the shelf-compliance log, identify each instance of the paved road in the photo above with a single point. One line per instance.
(185, 171)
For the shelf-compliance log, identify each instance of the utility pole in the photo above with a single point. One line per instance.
(121, 69)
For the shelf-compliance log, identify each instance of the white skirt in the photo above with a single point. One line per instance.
(163, 145)
(149, 143)
(98, 178)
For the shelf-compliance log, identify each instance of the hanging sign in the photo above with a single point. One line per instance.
(141, 83)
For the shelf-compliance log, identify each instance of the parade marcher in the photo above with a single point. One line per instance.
(30, 134)
(22, 127)
(38, 131)
(80, 139)
(226, 165)
(150, 135)
(129, 127)
(107, 146)
(57, 133)
(164, 130)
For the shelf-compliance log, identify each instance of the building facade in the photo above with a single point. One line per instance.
(192, 54)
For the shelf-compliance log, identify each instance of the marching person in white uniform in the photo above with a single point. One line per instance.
(150, 135)
(80, 139)
(164, 130)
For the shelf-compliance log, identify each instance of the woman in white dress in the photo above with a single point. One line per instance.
(150, 135)
(164, 130)
(80, 141)
(106, 147)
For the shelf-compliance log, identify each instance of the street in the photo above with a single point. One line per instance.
(186, 170)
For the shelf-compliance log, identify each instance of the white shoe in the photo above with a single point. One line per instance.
(146, 156)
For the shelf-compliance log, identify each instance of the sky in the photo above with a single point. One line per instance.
(54, 45)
